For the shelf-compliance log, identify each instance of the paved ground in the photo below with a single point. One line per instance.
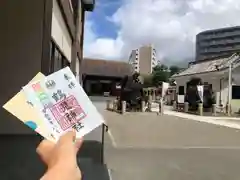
(149, 130)
(150, 147)
(100, 104)
(174, 164)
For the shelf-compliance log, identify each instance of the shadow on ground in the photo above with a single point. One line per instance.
(19, 161)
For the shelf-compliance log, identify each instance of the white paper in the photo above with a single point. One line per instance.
(63, 104)
(165, 87)
(200, 91)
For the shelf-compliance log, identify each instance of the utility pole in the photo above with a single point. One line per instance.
(229, 89)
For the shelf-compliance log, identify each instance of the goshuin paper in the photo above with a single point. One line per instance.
(63, 104)
(24, 111)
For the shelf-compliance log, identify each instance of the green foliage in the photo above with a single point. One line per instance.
(161, 67)
(174, 69)
(162, 73)
(147, 80)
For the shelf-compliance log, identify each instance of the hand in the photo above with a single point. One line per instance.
(60, 158)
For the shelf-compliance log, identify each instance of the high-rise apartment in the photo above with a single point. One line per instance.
(217, 43)
(143, 59)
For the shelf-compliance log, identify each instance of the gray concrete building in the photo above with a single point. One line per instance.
(217, 43)
(143, 59)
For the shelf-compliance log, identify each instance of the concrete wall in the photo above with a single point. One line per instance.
(214, 79)
(23, 34)
(145, 60)
(60, 33)
(22, 38)
(211, 79)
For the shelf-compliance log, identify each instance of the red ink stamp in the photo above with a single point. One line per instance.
(67, 112)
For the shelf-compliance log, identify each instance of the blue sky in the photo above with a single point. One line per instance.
(169, 25)
(102, 26)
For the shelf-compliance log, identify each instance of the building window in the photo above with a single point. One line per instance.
(181, 90)
(57, 59)
(235, 92)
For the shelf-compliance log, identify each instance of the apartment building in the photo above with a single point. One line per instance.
(143, 59)
(36, 36)
(217, 43)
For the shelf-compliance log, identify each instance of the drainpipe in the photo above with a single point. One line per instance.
(220, 92)
(75, 38)
(229, 89)
(86, 5)
(81, 45)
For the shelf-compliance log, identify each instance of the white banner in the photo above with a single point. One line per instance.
(165, 87)
(200, 92)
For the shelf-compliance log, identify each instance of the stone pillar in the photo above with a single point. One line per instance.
(115, 105)
(185, 107)
(161, 107)
(149, 103)
(174, 105)
(142, 106)
(228, 108)
(214, 109)
(123, 108)
(200, 109)
(154, 95)
(108, 107)
(150, 98)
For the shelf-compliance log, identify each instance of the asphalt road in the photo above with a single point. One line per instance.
(100, 104)
(151, 147)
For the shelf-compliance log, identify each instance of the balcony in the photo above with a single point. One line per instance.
(215, 43)
(219, 35)
(218, 50)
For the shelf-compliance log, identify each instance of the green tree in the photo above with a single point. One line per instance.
(160, 74)
(148, 80)
(174, 69)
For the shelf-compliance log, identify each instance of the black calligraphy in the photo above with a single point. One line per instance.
(71, 84)
(78, 126)
(30, 103)
(58, 95)
(67, 77)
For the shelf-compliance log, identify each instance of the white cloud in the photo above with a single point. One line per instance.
(105, 48)
(171, 25)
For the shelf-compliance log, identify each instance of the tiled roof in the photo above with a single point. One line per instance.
(209, 66)
(100, 67)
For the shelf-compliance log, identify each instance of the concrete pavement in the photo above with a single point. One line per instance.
(148, 130)
(174, 164)
(153, 147)
(100, 104)
(145, 146)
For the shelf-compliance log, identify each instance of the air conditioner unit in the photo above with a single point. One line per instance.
(88, 5)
